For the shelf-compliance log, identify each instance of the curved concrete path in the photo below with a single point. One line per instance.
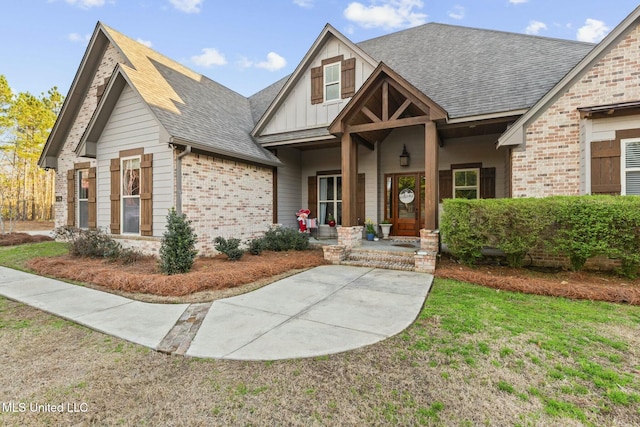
(325, 310)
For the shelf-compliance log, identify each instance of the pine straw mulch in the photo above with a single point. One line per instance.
(589, 285)
(143, 277)
(11, 239)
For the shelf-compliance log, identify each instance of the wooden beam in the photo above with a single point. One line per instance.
(349, 154)
(431, 176)
(361, 140)
(368, 127)
(367, 112)
(401, 109)
(385, 101)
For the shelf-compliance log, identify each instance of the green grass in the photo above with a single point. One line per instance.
(16, 256)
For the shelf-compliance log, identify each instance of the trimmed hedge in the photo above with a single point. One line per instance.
(578, 227)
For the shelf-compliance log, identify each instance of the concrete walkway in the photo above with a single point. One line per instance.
(326, 310)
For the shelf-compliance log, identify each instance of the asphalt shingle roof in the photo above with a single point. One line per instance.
(190, 106)
(472, 71)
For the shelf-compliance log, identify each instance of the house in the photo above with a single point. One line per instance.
(383, 129)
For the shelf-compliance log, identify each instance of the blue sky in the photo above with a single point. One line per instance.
(248, 44)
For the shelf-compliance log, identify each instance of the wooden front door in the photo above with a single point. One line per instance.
(404, 208)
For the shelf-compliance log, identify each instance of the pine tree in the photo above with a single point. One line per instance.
(177, 252)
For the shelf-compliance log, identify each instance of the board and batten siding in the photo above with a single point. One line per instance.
(296, 111)
(131, 126)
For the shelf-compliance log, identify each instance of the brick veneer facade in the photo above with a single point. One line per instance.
(67, 156)
(226, 198)
(549, 162)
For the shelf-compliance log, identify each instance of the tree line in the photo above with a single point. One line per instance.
(26, 191)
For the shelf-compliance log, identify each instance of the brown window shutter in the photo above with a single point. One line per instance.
(445, 184)
(115, 196)
(488, 183)
(312, 198)
(146, 191)
(317, 85)
(348, 78)
(605, 167)
(360, 199)
(71, 197)
(93, 212)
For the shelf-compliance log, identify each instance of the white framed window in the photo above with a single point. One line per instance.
(332, 82)
(630, 170)
(82, 180)
(130, 195)
(466, 183)
(329, 198)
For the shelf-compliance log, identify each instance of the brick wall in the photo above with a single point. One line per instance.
(67, 156)
(226, 198)
(549, 162)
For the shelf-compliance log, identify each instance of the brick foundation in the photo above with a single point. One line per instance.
(335, 254)
(350, 237)
(426, 258)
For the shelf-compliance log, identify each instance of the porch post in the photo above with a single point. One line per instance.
(431, 176)
(349, 180)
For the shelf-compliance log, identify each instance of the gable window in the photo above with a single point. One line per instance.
(332, 82)
(466, 184)
(130, 195)
(83, 198)
(630, 167)
(330, 198)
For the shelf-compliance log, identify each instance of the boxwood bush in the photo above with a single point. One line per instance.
(578, 227)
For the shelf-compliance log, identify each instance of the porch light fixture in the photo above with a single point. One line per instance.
(404, 157)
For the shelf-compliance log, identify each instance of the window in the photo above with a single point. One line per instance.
(83, 198)
(330, 198)
(130, 168)
(466, 184)
(332, 82)
(631, 167)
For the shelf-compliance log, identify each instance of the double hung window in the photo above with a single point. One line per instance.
(130, 168)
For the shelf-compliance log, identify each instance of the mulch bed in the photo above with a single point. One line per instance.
(207, 273)
(11, 239)
(589, 285)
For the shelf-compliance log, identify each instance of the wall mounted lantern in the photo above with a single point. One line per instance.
(404, 157)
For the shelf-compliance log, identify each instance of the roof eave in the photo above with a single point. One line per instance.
(227, 154)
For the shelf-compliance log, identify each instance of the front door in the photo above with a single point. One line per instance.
(403, 195)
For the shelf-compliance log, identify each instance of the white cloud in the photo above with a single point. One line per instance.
(304, 3)
(535, 27)
(209, 57)
(592, 31)
(274, 62)
(86, 4)
(387, 14)
(457, 12)
(518, 1)
(147, 43)
(75, 37)
(187, 6)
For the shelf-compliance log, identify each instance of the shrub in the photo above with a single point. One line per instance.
(177, 250)
(256, 246)
(461, 231)
(89, 243)
(284, 239)
(229, 247)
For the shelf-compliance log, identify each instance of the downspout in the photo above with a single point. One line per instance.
(187, 150)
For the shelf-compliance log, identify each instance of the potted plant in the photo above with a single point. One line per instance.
(371, 229)
(331, 220)
(385, 226)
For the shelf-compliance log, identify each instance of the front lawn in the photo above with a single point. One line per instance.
(475, 356)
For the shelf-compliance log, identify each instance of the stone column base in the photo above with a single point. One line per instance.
(426, 258)
(350, 237)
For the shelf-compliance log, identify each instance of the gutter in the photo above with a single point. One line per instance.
(187, 150)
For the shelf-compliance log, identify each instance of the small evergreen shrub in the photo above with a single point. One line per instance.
(256, 246)
(230, 247)
(178, 247)
(284, 239)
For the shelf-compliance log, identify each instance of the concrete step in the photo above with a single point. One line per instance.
(379, 264)
(381, 259)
